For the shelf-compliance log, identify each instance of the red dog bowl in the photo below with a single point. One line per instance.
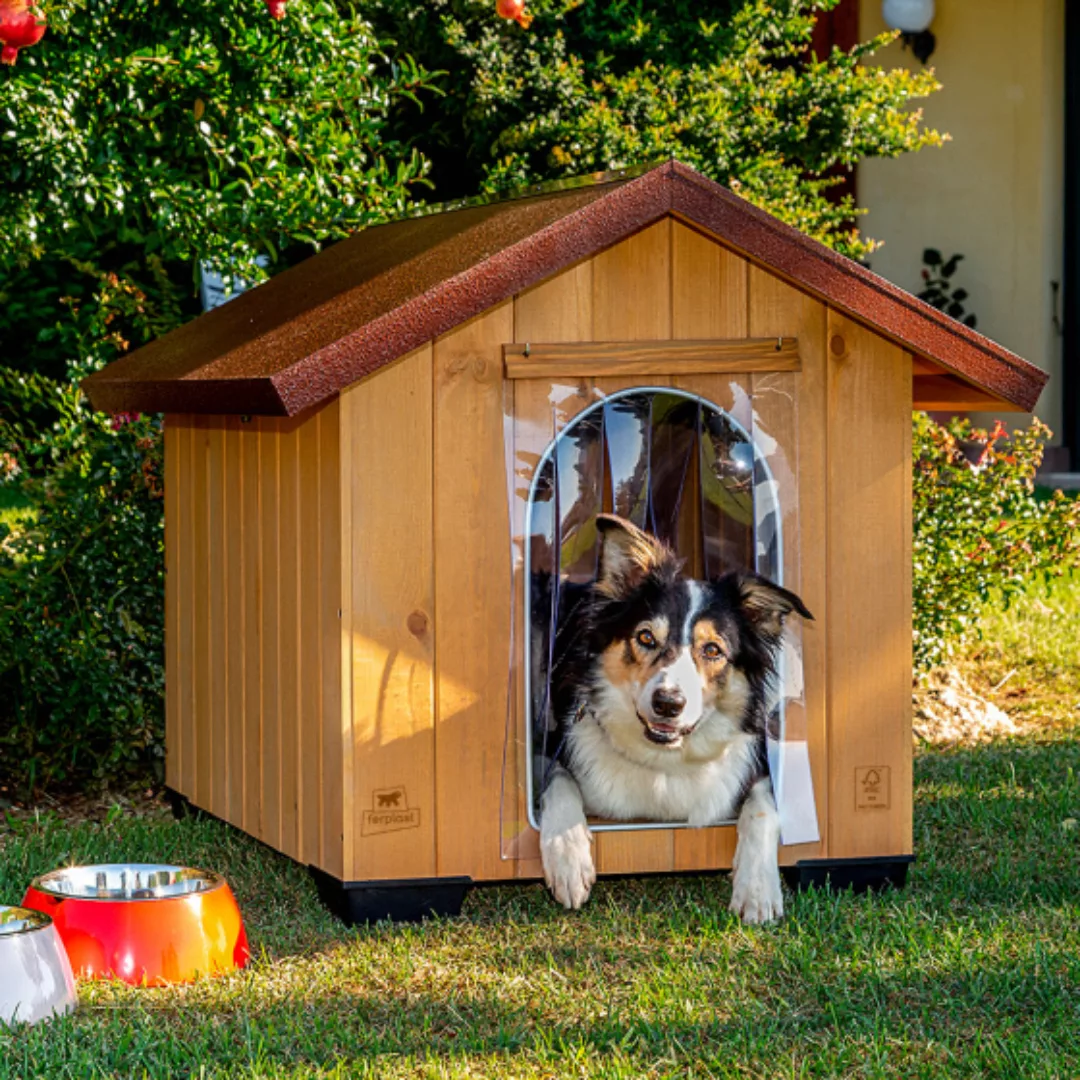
(142, 923)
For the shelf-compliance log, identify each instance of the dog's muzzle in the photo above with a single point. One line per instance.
(663, 729)
(663, 732)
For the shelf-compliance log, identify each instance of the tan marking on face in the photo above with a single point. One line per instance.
(714, 671)
(627, 663)
(617, 669)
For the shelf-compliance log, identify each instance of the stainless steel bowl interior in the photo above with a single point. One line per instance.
(18, 920)
(126, 881)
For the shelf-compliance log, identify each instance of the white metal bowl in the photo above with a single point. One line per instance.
(36, 982)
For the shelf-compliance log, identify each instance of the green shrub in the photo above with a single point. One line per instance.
(980, 533)
(728, 87)
(199, 131)
(82, 615)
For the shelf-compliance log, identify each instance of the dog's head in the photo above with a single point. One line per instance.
(672, 650)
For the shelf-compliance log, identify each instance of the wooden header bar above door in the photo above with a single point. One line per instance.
(588, 359)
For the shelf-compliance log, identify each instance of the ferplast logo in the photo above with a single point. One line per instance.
(389, 812)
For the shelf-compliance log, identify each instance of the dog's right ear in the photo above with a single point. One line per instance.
(627, 555)
(766, 604)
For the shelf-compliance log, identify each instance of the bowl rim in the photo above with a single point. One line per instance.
(41, 883)
(40, 919)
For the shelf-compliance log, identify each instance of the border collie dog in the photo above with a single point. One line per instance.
(658, 690)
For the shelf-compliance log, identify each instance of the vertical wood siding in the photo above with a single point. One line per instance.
(559, 309)
(709, 300)
(251, 638)
(869, 592)
(632, 301)
(777, 308)
(472, 595)
(391, 619)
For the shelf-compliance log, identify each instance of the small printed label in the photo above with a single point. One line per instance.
(872, 787)
(389, 812)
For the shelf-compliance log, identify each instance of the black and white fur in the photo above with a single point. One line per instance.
(659, 693)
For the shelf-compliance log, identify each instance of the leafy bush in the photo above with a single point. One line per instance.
(81, 616)
(728, 87)
(980, 532)
(204, 130)
(140, 139)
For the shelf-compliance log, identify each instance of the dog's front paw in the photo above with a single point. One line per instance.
(568, 865)
(755, 895)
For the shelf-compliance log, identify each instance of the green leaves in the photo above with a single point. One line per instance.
(101, 121)
(594, 86)
(81, 617)
(938, 290)
(980, 532)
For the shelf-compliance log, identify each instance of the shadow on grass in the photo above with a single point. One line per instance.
(1006, 1011)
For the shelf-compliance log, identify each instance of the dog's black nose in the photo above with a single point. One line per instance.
(668, 702)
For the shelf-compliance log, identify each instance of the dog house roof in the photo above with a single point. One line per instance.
(315, 329)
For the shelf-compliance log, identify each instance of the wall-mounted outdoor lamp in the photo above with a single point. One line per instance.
(912, 18)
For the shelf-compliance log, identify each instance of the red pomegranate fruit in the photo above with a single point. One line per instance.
(21, 24)
(276, 8)
(513, 9)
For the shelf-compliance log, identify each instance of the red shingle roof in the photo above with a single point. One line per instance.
(313, 330)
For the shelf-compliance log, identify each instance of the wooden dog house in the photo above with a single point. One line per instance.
(339, 576)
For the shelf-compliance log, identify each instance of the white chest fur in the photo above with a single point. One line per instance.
(621, 775)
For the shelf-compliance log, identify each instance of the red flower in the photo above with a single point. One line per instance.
(276, 8)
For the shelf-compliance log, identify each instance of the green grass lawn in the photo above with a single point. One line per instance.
(972, 971)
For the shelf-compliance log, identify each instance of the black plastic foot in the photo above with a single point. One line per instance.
(358, 902)
(179, 804)
(861, 875)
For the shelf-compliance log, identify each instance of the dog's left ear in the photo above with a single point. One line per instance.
(767, 605)
(627, 555)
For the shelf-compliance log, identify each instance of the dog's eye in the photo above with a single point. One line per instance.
(711, 651)
(645, 639)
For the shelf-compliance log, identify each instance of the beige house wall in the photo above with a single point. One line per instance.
(995, 192)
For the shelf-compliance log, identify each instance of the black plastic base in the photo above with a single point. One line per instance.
(360, 902)
(861, 875)
(410, 900)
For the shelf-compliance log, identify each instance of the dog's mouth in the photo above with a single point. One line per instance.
(663, 733)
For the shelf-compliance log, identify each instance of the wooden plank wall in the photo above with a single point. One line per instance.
(443, 742)
(253, 694)
(472, 595)
(389, 621)
(869, 593)
(777, 308)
